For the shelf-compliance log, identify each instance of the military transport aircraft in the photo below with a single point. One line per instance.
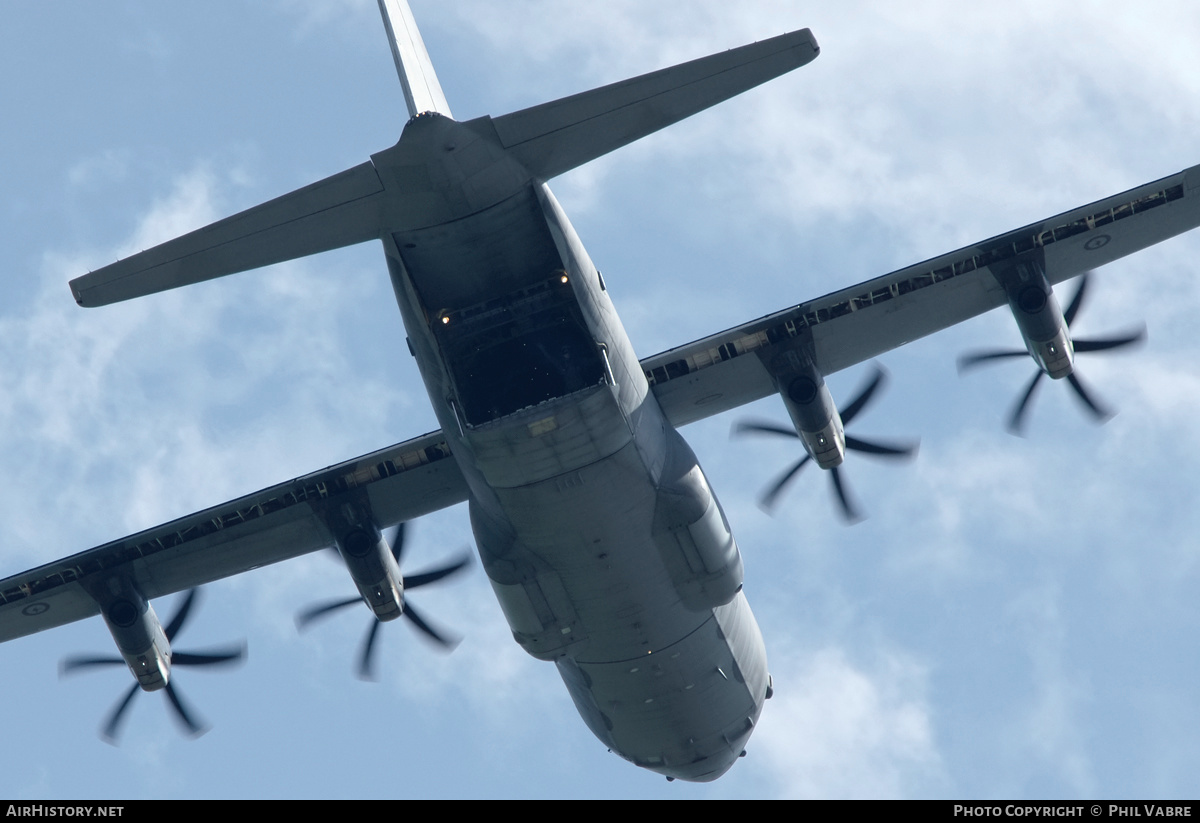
(601, 536)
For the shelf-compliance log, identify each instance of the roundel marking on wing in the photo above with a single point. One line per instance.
(34, 609)
(1097, 242)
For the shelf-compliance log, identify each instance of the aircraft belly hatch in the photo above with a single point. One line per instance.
(519, 351)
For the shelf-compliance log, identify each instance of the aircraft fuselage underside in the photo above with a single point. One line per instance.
(605, 546)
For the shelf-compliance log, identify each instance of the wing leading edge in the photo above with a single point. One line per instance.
(855, 324)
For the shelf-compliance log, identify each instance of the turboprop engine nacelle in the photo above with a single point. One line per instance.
(140, 638)
(812, 410)
(1040, 319)
(374, 569)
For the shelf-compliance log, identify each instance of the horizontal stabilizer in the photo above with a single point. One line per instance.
(338, 211)
(556, 137)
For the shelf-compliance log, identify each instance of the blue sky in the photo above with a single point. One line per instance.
(1017, 617)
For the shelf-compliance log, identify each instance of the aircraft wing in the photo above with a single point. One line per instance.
(399, 483)
(846, 327)
(691, 382)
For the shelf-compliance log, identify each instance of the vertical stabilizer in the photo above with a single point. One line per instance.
(422, 92)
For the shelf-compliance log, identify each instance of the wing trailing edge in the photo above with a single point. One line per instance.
(555, 137)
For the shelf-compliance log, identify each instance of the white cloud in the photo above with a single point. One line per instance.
(1048, 734)
(834, 730)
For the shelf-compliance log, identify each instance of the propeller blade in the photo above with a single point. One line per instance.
(181, 616)
(864, 396)
(112, 724)
(1077, 300)
(109, 732)
(970, 361)
(418, 580)
(236, 654)
(1104, 344)
(72, 664)
(879, 449)
(764, 427)
(366, 659)
(856, 406)
(1016, 419)
(420, 623)
(767, 501)
(194, 728)
(394, 535)
(309, 615)
(1099, 412)
(848, 509)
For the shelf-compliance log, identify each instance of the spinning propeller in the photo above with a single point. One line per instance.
(185, 716)
(395, 538)
(849, 510)
(1016, 418)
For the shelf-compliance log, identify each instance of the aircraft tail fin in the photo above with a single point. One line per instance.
(558, 136)
(422, 91)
